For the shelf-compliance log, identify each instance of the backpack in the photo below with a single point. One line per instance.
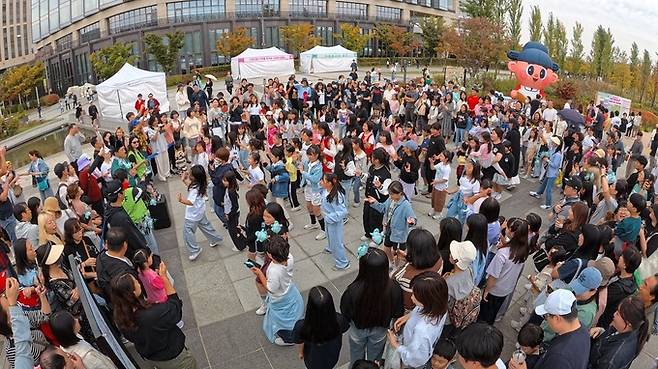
(465, 311)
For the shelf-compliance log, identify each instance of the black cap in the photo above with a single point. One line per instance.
(112, 189)
(574, 182)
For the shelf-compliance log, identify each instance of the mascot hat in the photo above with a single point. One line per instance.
(534, 53)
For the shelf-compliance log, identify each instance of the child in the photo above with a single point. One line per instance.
(254, 170)
(461, 159)
(530, 338)
(440, 182)
(181, 159)
(292, 158)
(628, 227)
(504, 175)
(231, 208)
(398, 216)
(361, 167)
(334, 210)
(377, 182)
(150, 279)
(311, 175)
(280, 179)
(201, 156)
(538, 283)
(243, 142)
(444, 353)
(195, 211)
(408, 164)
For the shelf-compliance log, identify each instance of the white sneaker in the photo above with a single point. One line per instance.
(280, 342)
(497, 196)
(365, 238)
(534, 194)
(195, 255)
(545, 207)
(321, 236)
(345, 220)
(312, 226)
(217, 244)
(523, 310)
(337, 269)
(296, 208)
(516, 325)
(261, 310)
(290, 226)
(235, 249)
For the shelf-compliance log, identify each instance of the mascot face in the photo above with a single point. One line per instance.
(530, 75)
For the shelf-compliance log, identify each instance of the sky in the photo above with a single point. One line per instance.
(628, 20)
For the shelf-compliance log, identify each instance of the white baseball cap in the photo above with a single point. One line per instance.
(559, 302)
(463, 253)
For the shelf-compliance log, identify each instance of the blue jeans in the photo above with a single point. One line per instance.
(9, 225)
(219, 210)
(547, 186)
(366, 343)
(348, 185)
(459, 135)
(356, 184)
(206, 228)
(335, 237)
(48, 192)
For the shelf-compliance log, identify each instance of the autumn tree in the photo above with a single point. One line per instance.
(535, 24)
(549, 33)
(234, 42)
(479, 8)
(577, 49)
(634, 67)
(514, 13)
(300, 37)
(165, 49)
(620, 74)
(350, 37)
(601, 53)
(402, 42)
(107, 61)
(561, 43)
(477, 44)
(654, 82)
(645, 72)
(432, 29)
(19, 82)
(382, 33)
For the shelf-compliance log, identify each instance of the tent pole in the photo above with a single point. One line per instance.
(120, 107)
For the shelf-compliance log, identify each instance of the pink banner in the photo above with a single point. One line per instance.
(265, 58)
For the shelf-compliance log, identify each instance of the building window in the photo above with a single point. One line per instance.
(191, 55)
(213, 36)
(91, 6)
(256, 8)
(384, 13)
(443, 4)
(64, 13)
(53, 15)
(91, 32)
(134, 19)
(348, 10)
(196, 10)
(64, 43)
(326, 35)
(272, 37)
(370, 45)
(36, 29)
(76, 9)
(308, 8)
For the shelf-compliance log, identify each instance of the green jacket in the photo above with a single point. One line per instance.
(134, 205)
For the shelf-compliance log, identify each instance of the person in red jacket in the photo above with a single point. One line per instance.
(140, 104)
(89, 183)
(472, 99)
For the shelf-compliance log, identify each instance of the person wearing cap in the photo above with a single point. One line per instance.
(553, 163)
(58, 279)
(567, 350)
(585, 288)
(116, 216)
(461, 285)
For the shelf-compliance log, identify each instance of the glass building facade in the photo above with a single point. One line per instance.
(196, 10)
(348, 10)
(256, 8)
(308, 8)
(134, 19)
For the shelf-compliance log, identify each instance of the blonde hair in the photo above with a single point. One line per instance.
(44, 236)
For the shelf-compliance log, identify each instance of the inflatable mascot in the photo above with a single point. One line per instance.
(534, 70)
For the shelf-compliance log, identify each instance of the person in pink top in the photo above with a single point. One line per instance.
(152, 282)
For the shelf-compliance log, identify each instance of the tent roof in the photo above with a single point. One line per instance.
(270, 51)
(129, 73)
(338, 49)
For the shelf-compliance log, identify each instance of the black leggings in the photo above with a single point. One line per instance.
(489, 309)
(292, 192)
(232, 227)
(372, 219)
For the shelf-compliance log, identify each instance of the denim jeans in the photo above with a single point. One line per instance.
(459, 135)
(341, 129)
(9, 225)
(356, 185)
(219, 210)
(348, 185)
(366, 343)
(48, 192)
(206, 228)
(547, 186)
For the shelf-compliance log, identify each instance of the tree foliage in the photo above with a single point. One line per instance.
(20, 81)
(645, 72)
(601, 53)
(479, 8)
(165, 49)
(514, 13)
(300, 37)
(401, 41)
(382, 32)
(234, 42)
(478, 43)
(432, 29)
(634, 66)
(107, 61)
(535, 24)
(350, 37)
(577, 49)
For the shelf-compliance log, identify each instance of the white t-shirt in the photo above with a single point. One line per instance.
(256, 175)
(197, 210)
(467, 187)
(279, 277)
(442, 172)
(550, 114)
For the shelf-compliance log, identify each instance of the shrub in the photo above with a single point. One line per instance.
(49, 100)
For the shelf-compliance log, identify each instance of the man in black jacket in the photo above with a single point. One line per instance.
(116, 216)
(113, 261)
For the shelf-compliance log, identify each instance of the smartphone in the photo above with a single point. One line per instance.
(252, 264)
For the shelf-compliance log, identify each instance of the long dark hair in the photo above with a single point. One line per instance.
(20, 254)
(631, 309)
(256, 202)
(199, 180)
(125, 303)
(276, 211)
(451, 230)
(431, 290)
(374, 303)
(320, 322)
(336, 187)
(477, 232)
(519, 243)
(422, 252)
(71, 226)
(232, 181)
(62, 324)
(33, 203)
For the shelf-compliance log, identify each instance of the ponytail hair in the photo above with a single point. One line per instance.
(631, 310)
(335, 186)
(140, 259)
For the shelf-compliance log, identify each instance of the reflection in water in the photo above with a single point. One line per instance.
(49, 144)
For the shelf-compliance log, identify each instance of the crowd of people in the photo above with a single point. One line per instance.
(420, 299)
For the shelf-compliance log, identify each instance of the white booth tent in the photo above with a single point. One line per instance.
(262, 63)
(117, 94)
(322, 59)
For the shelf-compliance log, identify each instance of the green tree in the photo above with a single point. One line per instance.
(654, 82)
(645, 72)
(234, 42)
(432, 29)
(165, 49)
(382, 32)
(560, 43)
(549, 33)
(577, 49)
(18, 82)
(300, 37)
(107, 61)
(350, 37)
(514, 13)
(635, 68)
(479, 8)
(601, 53)
(535, 24)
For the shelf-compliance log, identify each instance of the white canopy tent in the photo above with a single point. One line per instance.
(117, 94)
(262, 63)
(322, 59)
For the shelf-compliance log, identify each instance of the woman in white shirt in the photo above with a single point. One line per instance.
(66, 328)
(181, 98)
(424, 324)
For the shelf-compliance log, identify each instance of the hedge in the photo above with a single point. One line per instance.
(49, 100)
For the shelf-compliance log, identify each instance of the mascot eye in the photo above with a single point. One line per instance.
(542, 74)
(531, 70)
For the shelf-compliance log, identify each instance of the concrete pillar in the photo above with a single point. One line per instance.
(406, 15)
(372, 11)
(284, 7)
(230, 8)
(104, 27)
(161, 11)
(331, 8)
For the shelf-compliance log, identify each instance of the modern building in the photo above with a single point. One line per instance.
(66, 32)
(15, 33)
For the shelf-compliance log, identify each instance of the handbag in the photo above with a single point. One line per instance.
(42, 183)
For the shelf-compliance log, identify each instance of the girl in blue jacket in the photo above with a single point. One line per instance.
(280, 179)
(334, 210)
(311, 172)
(398, 217)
